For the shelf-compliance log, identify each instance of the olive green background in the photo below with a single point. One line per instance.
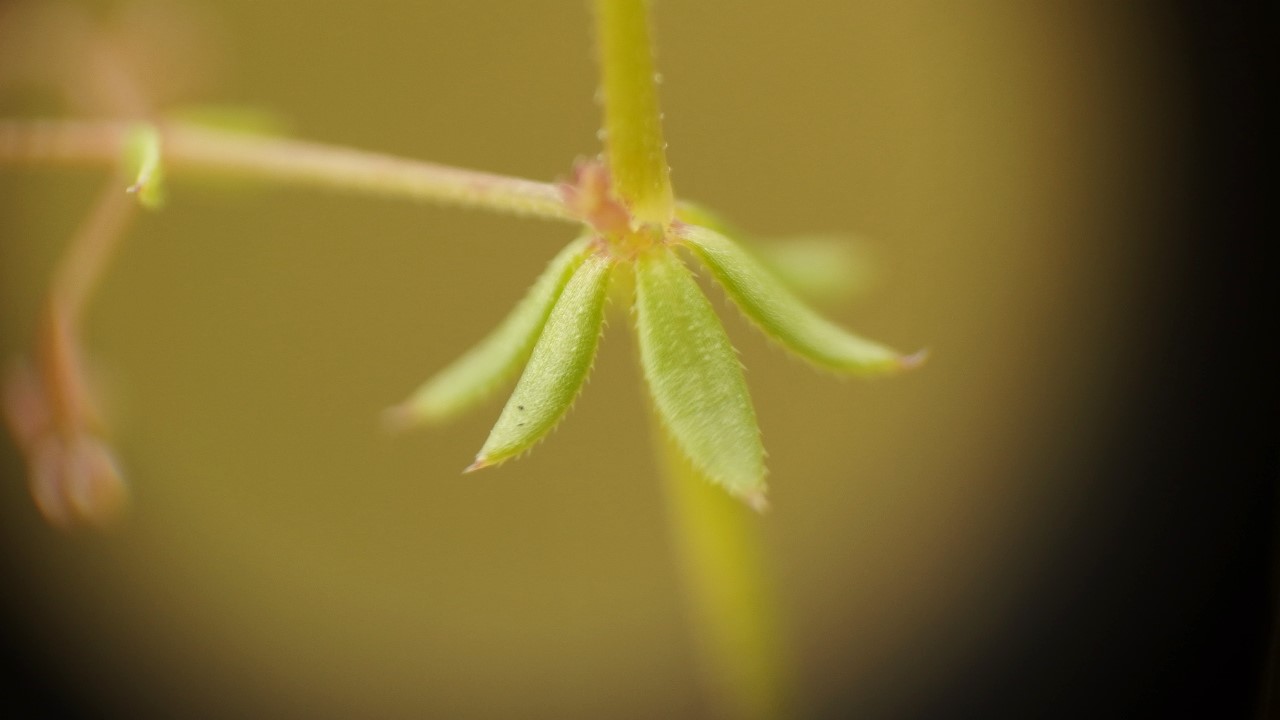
(998, 161)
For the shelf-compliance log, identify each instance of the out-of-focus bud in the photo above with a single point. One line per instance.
(74, 477)
(75, 481)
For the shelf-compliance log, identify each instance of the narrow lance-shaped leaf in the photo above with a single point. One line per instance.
(632, 121)
(477, 374)
(785, 318)
(142, 163)
(557, 368)
(695, 378)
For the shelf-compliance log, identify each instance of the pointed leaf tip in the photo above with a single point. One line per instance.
(397, 419)
(557, 368)
(784, 317)
(695, 378)
(757, 501)
(472, 378)
(914, 360)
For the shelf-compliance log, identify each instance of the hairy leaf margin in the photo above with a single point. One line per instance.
(695, 378)
(479, 372)
(784, 317)
(557, 368)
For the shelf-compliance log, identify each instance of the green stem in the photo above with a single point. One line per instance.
(192, 148)
(730, 598)
(632, 122)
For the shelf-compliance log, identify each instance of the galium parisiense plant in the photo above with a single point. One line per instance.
(630, 223)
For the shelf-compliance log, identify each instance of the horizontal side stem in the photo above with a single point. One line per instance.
(295, 162)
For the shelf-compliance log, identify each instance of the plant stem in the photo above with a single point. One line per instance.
(95, 243)
(192, 148)
(79, 270)
(721, 553)
(632, 121)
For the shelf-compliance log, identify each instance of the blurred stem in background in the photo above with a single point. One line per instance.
(729, 597)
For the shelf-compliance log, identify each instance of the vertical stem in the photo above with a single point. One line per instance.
(730, 598)
(632, 122)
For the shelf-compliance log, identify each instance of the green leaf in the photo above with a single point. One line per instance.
(632, 121)
(694, 376)
(142, 163)
(243, 119)
(694, 214)
(557, 369)
(471, 378)
(785, 318)
(821, 269)
(818, 268)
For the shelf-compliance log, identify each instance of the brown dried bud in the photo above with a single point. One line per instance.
(74, 477)
(76, 481)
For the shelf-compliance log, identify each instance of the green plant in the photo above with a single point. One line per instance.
(631, 227)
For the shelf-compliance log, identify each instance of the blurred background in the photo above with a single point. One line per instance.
(1067, 513)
